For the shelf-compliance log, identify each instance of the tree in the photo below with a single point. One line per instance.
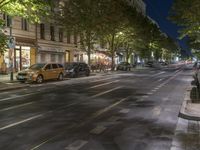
(186, 14)
(34, 10)
(3, 38)
(115, 22)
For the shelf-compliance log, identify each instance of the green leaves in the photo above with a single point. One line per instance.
(34, 10)
(186, 14)
(3, 38)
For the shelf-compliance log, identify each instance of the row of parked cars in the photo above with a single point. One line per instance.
(46, 71)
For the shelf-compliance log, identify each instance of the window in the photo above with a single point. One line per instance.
(53, 57)
(7, 19)
(75, 38)
(52, 33)
(60, 66)
(42, 31)
(60, 35)
(24, 24)
(54, 66)
(43, 57)
(48, 67)
(68, 37)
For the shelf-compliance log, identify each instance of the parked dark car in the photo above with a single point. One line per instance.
(75, 69)
(124, 66)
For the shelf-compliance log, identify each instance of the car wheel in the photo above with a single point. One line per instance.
(87, 73)
(73, 74)
(39, 79)
(60, 76)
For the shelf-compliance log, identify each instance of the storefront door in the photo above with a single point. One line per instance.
(17, 60)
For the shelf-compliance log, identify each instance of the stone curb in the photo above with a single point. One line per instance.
(182, 113)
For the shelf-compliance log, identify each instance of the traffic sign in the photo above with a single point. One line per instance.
(11, 42)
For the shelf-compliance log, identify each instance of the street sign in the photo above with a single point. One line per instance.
(11, 42)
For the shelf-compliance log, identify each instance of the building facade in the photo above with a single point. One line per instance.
(37, 43)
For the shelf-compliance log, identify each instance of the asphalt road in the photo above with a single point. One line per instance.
(122, 111)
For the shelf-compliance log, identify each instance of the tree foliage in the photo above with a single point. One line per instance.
(186, 14)
(34, 10)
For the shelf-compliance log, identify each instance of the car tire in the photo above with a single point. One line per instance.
(60, 77)
(87, 73)
(39, 79)
(73, 74)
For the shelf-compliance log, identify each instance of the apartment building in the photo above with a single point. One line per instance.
(37, 43)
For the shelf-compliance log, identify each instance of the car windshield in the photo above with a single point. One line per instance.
(37, 66)
(69, 66)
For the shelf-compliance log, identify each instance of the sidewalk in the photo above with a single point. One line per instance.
(7, 84)
(187, 135)
(189, 110)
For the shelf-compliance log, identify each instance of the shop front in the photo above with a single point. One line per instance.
(23, 57)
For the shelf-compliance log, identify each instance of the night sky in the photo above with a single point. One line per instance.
(158, 10)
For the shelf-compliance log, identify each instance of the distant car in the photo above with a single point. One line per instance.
(163, 63)
(75, 69)
(124, 66)
(40, 72)
(149, 64)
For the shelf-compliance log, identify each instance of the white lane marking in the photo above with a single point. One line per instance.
(160, 79)
(16, 96)
(101, 79)
(20, 122)
(124, 111)
(98, 130)
(145, 96)
(102, 93)
(153, 90)
(95, 115)
(17, 106)
(157, 88)
(113, 118)
(156, 111)
(149, 93)
(157, 74)
(98, 113)
(103, 84)
(165, 98)
(76, 145)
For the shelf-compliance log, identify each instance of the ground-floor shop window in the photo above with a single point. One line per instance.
(21, 58)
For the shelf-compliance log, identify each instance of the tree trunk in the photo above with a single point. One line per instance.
(89, 46)
(112, 53)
